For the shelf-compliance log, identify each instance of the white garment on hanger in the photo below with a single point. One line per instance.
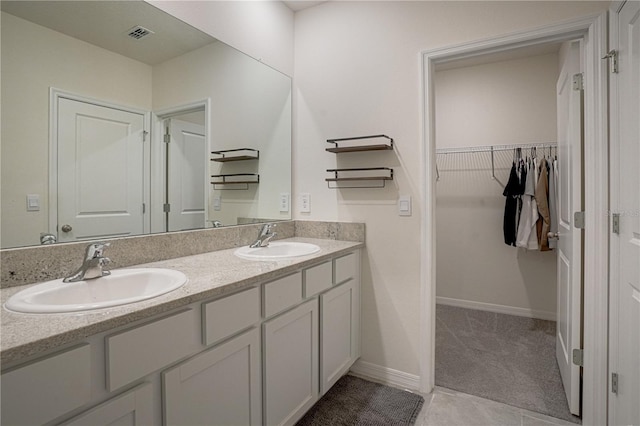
(527, 237)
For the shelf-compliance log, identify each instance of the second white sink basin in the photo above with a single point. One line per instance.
(277, 250)
(121, 287)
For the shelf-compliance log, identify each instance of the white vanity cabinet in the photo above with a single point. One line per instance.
(340, 337)
(47, 388)
(132, 408)
(291, 364)
(220, 386)
(340, 321)
(260, 356)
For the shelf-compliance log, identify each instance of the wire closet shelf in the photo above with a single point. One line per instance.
(533, 148)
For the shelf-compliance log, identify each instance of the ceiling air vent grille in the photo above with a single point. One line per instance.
(138, 32)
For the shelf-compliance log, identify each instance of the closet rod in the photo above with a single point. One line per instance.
(493, 148)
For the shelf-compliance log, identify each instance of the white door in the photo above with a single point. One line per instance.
(624, 354)
(569, 101)
(186, 167)
(100, 171)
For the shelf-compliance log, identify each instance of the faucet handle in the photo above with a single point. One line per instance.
(96, 249)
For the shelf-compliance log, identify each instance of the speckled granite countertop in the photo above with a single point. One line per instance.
(210, 275)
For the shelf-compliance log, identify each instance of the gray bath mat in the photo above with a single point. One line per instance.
(355, 401)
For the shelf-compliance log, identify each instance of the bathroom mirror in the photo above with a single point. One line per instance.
(77, 59)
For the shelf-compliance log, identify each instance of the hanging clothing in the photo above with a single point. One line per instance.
(512, 192)
(553, 201)
(527, 237)
(542, 198)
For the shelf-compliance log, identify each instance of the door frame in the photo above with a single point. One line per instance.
(158, 176)
(54, 96)
(592, 29)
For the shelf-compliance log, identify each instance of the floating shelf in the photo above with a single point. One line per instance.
(371, 147)
(235, 179)
(239, 154)
(382, 175)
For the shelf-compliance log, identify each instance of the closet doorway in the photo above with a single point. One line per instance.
(508, 291)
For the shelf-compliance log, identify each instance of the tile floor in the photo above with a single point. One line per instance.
(445, 407)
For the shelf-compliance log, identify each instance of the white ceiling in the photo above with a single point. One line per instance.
(106, 24)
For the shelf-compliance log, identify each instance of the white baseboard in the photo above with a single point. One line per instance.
(386, 375)
(500, 309)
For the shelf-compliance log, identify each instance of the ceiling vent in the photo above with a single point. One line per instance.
(138, 32)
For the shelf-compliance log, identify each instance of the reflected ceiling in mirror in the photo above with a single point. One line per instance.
(83, 50)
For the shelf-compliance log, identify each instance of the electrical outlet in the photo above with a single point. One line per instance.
(305, 203)
(217, 203)
(284, 202)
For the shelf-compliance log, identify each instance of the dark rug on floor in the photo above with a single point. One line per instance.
(504, 358)
(355, 401)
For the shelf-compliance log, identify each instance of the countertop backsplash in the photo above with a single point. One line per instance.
(30, 265)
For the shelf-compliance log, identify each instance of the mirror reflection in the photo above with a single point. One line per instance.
(118, 119)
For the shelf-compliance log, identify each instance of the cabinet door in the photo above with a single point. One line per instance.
(220, 386)
(291, 364)
(133, 408)
(339, 332)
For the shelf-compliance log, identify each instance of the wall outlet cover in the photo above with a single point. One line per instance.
(305, 203)
(284, 202)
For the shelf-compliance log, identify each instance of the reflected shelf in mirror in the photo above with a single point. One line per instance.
(148, 76)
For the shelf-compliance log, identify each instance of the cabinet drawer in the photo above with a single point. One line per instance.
(345, 268)
(46, 389)
(135, 405)
(317, 279)
(136, 352)
(282, 294)
(229, 315)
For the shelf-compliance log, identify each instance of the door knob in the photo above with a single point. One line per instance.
(66, 228)
(553, 235)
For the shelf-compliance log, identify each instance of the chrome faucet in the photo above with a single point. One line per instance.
(93, 263)
(265, 236)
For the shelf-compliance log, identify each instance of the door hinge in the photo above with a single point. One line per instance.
(578, 83)
(144, 135)
(578, 357)
(166, 208)
(578, 220)
(144, 208)
(167, 138)
(612, 56)
(614, 383)
(615, 223)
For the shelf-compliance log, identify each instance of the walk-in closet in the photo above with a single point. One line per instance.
(497, 263)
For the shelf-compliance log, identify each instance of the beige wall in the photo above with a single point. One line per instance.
(358, 72)
(500, 103)
(34, 59)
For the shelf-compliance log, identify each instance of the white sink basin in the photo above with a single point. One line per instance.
(277, 250)
(121, 287)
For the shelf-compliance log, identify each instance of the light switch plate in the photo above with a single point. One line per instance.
(33, 202)
(217, 203)
(404, 205)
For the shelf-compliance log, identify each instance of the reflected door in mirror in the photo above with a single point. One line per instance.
(100, 171)
(187, 157)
